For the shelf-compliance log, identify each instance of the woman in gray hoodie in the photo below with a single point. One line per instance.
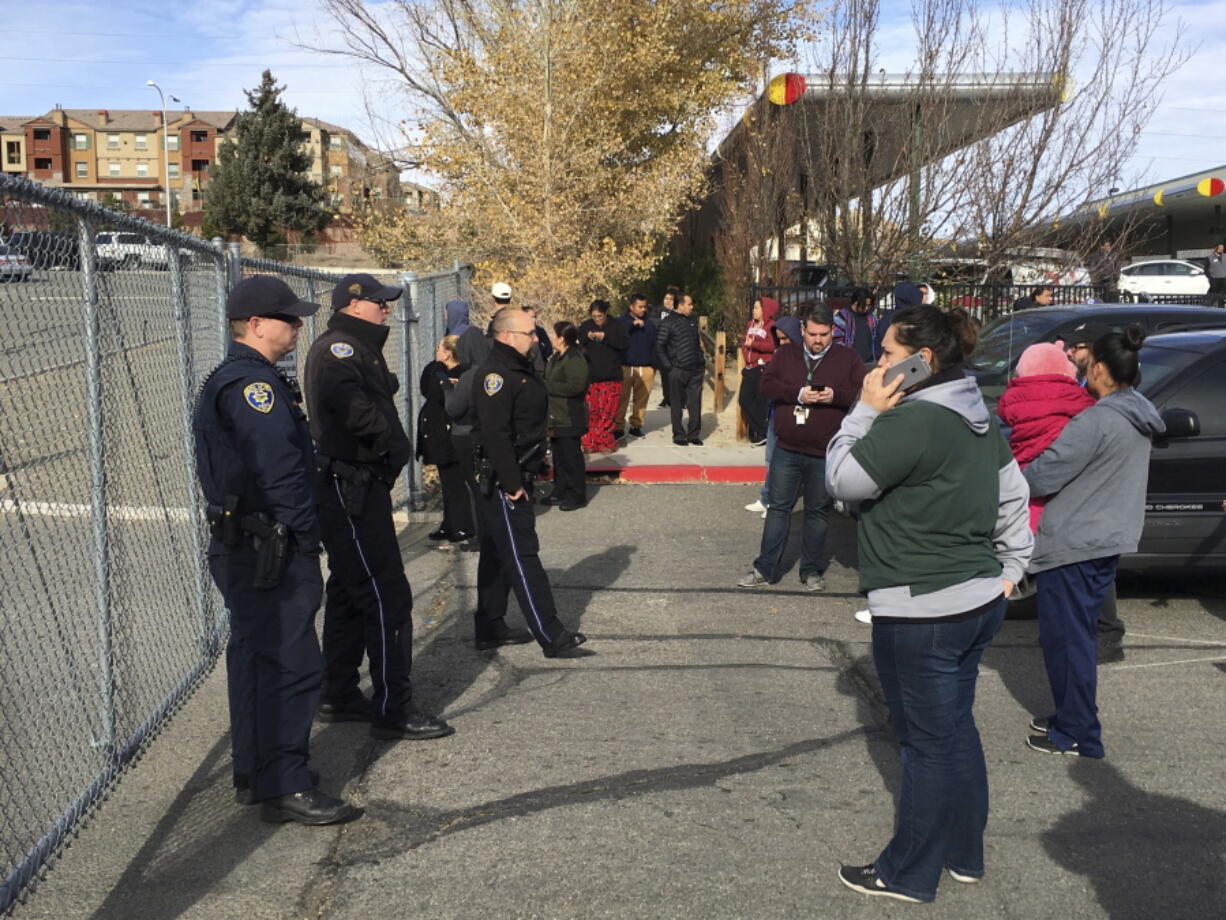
(1096, 474)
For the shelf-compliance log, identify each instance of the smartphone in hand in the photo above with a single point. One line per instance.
(913, 371)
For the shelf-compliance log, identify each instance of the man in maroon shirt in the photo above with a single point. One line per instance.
(812, 384)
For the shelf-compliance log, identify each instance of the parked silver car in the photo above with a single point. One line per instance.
(14, 265)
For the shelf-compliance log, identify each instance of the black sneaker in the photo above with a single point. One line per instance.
(439, 534)
(864, 880)
(1040, 724)
(637, 433)
(619, 434)
(697, 442)
(1110, 654)
(1045, 745)
(963, 877)
(680, 442)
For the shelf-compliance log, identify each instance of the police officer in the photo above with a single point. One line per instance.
(363, 448)
(255, 461)
(512, 416)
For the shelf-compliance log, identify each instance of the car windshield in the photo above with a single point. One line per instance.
(103, 238)
(1002, 341)
(1160, 362)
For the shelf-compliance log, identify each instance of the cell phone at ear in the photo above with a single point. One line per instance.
(913, 371)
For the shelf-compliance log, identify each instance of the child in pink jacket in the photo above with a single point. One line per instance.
(1038, 403)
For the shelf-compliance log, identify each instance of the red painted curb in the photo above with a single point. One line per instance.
(680, 472)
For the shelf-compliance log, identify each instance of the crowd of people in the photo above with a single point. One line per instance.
(873, 411)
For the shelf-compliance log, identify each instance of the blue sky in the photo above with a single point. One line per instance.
(92, 55)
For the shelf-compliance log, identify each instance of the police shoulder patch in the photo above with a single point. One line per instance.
(259, 396)
(341, 349)
(492, 384)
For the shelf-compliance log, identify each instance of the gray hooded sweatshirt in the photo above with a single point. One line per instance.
(920, 528)
(1096, 473)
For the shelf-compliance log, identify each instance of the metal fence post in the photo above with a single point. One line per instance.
(411, 292)
(186, 388)
(234, 258)
(222, 278)
(97, 471)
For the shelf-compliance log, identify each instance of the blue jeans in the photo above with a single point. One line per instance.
(789, 476)
(1069, 598)
(771, 438)
(928, 673)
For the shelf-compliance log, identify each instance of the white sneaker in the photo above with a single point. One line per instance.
(755, 505)
(863, 616)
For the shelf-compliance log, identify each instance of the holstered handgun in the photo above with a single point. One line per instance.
(354, 484)
(271, 541)
(485, 472)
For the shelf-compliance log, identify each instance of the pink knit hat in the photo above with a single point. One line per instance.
(1045, 358)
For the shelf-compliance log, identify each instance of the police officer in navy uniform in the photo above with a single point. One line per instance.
(363, 447)
(256, 462)
(512, 418)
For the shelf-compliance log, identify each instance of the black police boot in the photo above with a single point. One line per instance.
(439, 534)
(242, 787)
(310, 807)
(415, 725)
(355, 709)
(568, 647)
(500, 636)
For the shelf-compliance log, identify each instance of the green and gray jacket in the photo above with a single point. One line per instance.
(944, 506)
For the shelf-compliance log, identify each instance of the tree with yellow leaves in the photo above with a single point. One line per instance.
(566, 135)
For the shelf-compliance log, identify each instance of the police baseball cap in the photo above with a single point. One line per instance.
(501, 291)
(363, 287)
(1087, 332)
(265, 295)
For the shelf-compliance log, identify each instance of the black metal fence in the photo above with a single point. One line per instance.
(983, 301)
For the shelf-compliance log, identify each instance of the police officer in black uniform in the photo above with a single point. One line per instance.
(512, 417)
(255, 461)
(363, 448)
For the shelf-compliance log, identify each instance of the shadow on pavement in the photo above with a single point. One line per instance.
(1146, 855)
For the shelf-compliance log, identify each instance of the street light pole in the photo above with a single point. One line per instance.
(165, 149)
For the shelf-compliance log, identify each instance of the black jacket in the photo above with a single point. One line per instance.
(604, 356)
(433, 426)
(677, 343)
(512, 415)
(349, 394)
(252, 441)
(566, 381)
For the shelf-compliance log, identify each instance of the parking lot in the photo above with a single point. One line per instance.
(719, 757)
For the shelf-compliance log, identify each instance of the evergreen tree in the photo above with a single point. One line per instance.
(260, 185)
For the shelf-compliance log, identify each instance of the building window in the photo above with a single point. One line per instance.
(174, 171)
(12, 152)
(172, 142)
(142, 142)
(112, 141)
(334, 172)
(82, 170)
(42, 134)
(335, 142)
(200, 166)
(142, 170)
(200, 137)
(80, 142)
(42, 162)
(143, 199)
(112, 169)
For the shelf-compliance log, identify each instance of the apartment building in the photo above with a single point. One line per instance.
(116, 155)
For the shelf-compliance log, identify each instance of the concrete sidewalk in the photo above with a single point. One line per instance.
(718, 758)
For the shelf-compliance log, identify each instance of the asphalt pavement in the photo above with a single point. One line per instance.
(718, 757)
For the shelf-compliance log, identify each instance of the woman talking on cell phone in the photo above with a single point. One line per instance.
(943, 538)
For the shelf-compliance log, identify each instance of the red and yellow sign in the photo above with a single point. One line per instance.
(786, 88)
(1211, 186)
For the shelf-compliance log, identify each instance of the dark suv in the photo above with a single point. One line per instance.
(1184, 375)
(1002, 341)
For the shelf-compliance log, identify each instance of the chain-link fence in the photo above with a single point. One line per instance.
(108, 617)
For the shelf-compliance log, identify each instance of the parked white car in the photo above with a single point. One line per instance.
(1163, 276)
(14, 265)
(129, 250)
